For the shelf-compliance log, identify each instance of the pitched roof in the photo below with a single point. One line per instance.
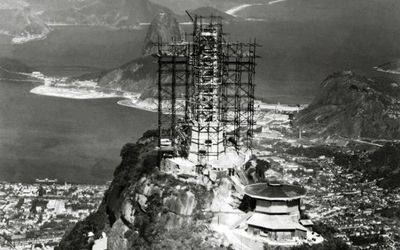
(268, 191)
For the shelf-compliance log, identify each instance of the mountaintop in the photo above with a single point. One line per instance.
(164, 28)
(352, 106)
(139, 75)
(146, 209)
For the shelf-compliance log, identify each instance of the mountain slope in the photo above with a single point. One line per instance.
(164, 28)
(139, 75)
(352, 106)
(146, 209)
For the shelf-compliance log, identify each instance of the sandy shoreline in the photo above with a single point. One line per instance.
(87, 90)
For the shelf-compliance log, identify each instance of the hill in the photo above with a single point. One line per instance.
(164, 28)
(352, 106)
(146, 209)
(139, 75)
(305, 40)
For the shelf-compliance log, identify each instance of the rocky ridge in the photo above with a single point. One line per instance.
(163, 29)
(147, 209)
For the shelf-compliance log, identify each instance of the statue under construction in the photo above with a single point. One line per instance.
(205, 95)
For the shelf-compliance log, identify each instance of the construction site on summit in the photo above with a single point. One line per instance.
(205, 134)
(206, 97)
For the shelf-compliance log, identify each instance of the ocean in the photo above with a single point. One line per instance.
(76, 141)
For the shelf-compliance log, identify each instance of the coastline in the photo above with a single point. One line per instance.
(71, 93)
(87, 90)
(394, 72)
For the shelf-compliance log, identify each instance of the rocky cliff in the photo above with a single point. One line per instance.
(140, 75)
(165, 29)
(146, 209)
(353, 106)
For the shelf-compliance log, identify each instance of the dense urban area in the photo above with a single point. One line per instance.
(341, 200)
(40, 213)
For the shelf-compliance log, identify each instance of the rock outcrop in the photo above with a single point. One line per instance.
(352, 106)
(146, 209)
(164, 29)
(139, 75)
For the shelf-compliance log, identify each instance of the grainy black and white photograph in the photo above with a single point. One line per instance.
(199, 124)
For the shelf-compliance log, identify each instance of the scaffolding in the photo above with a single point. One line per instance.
(205, 93)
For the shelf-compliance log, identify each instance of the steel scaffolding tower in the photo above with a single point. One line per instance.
(205, 93)
(173, 97)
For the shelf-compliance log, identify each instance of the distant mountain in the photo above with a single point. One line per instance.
(164, 28)
(353, 106)
(18, 21)
(210, 11)
(390, 67)
(113, 13)
(139, 75)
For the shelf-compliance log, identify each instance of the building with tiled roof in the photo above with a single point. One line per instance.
(277, 212)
